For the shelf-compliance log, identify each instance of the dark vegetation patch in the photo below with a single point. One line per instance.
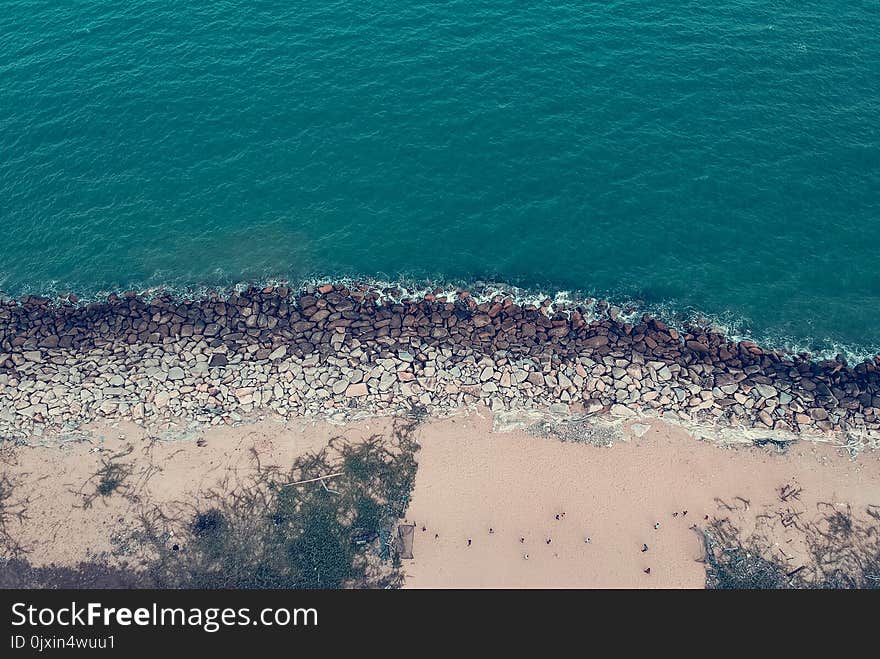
(19, 573)
(843, 552)
(112, 478)
(13, 508)
(327, 522)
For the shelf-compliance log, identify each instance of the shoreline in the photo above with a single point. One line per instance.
(623, 306)
(345, 351)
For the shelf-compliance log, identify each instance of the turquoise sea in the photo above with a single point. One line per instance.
(719, 158)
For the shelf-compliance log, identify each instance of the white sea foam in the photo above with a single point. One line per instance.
(626, 309)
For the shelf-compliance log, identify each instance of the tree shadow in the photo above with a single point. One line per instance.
(326, 522)
(843, 552)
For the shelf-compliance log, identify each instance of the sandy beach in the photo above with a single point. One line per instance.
(490, 509)
(608, 500)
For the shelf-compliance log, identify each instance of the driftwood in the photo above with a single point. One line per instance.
(312, 480)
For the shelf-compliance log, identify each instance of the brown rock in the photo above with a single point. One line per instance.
(596, 341)
(319, 315)
(536, 379)
(358, 389)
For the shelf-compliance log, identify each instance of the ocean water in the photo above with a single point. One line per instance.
(719, 158)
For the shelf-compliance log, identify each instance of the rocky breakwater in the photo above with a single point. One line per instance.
(338, 350)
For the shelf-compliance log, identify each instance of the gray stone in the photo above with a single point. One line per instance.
(639, 429)
(766, 391)
(32, 410)
(622, 411)
(387, 381)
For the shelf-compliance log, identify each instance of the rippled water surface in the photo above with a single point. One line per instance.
(722, 157)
